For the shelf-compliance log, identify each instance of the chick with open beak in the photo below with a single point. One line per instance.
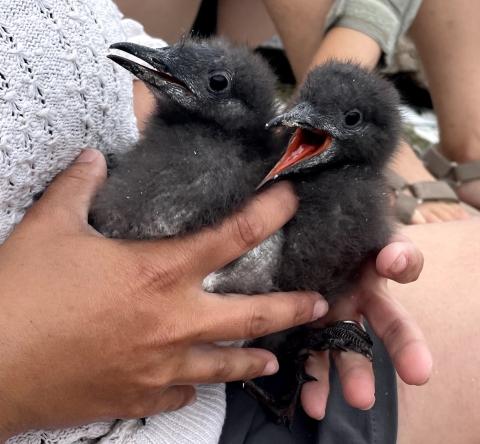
(346, 127)
(305, 147)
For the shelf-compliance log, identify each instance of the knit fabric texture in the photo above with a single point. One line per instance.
(59, 94)
(199, 423)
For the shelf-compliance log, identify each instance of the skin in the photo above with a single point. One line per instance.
(453, 388)
(147, 281)
(54, 220)
(123, 329)
(348, 44)
(162, 18)
(400, 261)
(452, 69)
(232, 16)
(447, 409)
(445, 302)
(453, 85)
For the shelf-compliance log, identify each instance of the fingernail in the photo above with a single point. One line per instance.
(87, 156)
(399, 265)
(371, 405)
(319, 309)
(271, 368)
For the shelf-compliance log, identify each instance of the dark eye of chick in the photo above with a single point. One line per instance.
(353, 118)
(218, 82)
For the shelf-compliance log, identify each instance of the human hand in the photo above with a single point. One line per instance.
(402, 337)
(94, 328)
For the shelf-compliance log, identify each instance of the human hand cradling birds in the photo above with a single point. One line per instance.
(402, 262)
(94, 328)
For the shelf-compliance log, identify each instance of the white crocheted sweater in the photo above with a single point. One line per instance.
(59, 94)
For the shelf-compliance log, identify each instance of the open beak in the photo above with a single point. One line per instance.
(148, 64)
(305, 144)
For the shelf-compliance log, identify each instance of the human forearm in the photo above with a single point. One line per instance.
(301, 27)
(347, 44)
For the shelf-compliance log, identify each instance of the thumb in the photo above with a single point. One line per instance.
(400, 261)
(70, 194)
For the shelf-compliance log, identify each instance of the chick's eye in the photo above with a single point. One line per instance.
(218, 82)
(353, 118)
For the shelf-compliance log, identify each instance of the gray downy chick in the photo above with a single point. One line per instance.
(204, 151)
(346, 126)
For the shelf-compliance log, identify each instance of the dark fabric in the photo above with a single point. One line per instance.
(247, 423)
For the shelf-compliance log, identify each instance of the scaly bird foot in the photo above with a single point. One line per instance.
(279, 393)
(343, 336)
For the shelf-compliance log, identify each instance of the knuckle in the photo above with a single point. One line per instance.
(175, 400)
(394, 330)
(249, 230)
(78, 174)
(253, 368)
(257, 323)
(135, 410)
(223, 369)
(185, 396)
(303, 309)
(162, 379)
(151, 381)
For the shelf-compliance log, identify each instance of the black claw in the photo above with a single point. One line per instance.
(305, 377)
(302, 376)
(279, 393)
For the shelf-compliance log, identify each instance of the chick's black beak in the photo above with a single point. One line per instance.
(151, 65)
(306, 142)
(299, 116)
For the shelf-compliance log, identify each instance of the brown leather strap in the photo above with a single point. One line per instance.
(430, 191)
(443, 168)
(465, 172)
(436, 163)
(395, 182)
(404, 208)
(409, 196)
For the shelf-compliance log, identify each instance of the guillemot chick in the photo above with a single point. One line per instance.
(346, 126)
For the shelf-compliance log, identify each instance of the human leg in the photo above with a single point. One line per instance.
(348, 44)
(166, 19)
(445, 301)
(300, 25)
(306, 47)
(447, 36)
(245, 22)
